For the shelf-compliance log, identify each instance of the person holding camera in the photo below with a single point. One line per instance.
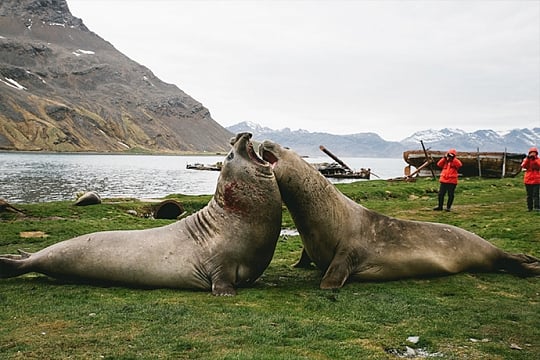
(450, 166)
(531, 164)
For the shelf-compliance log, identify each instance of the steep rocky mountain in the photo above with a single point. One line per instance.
(63, 88)
(372, 145)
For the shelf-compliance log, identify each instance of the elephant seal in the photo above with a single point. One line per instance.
(227, 244)
(348, 241)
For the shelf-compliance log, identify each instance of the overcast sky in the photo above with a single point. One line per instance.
(343, 67)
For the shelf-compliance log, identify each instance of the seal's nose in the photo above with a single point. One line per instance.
(234, 140)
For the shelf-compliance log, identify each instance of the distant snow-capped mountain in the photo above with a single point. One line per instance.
(516, 140)
(259, 130)
(372, 145)
(433, 136)
(307, 143)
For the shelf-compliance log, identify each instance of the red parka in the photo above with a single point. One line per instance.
(532, 167)
(450, 168)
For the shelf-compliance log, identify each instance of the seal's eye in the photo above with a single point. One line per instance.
(230, 156)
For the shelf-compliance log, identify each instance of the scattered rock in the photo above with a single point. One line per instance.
(88, 198)
(409, 352)
(289, 232)
(477, 340)
(412, 353)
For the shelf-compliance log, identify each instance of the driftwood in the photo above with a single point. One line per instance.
(429, 159)
(420, 168)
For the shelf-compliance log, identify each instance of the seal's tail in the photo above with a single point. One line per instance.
(520, 264)
(13, 265)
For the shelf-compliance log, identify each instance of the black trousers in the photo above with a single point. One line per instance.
(443, 189)
(533, 196)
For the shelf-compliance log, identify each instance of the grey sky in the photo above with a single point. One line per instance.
(390, 67)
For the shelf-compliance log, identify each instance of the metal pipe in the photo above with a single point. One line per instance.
(336, 159)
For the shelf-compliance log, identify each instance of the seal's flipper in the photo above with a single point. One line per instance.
(304, 262)
(23, 254)
(520, 264)
(344, 262)
(335, 276)
(223, 288)
(11, 266)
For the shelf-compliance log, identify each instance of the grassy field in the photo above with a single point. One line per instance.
(285, 315)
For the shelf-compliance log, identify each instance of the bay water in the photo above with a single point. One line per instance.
(41, 177)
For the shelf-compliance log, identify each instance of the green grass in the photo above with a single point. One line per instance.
(285, 315)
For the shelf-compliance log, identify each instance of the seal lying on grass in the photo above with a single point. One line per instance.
(227, 244)
(347, 241)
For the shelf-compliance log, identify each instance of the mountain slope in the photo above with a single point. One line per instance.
(63, 88)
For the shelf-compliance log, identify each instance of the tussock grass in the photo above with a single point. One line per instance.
(285, 315)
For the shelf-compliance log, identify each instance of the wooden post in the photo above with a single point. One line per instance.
(478, 160)
(427, 159)
(503, 164)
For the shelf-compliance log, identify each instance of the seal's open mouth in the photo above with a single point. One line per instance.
(253, 155)
(268, 156)
(244, 147)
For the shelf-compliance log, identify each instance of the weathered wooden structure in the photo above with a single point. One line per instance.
(339, 169)
(483, 164)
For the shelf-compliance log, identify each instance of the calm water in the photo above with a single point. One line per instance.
(37, 177)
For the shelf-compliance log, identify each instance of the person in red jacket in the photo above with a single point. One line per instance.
(532, 179)
(450, 165)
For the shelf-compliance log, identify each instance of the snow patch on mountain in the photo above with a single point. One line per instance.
(431, 135)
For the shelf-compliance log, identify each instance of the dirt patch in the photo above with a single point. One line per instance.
(33, 234)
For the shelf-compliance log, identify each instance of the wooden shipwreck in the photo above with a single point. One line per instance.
(483, 164)
(339, 169)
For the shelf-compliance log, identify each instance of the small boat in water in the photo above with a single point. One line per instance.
(339, 169)
(198, 166)
(483, 164)
(335, 170)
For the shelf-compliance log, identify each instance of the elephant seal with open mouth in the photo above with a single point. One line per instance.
(225, 245)
(347, 241)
